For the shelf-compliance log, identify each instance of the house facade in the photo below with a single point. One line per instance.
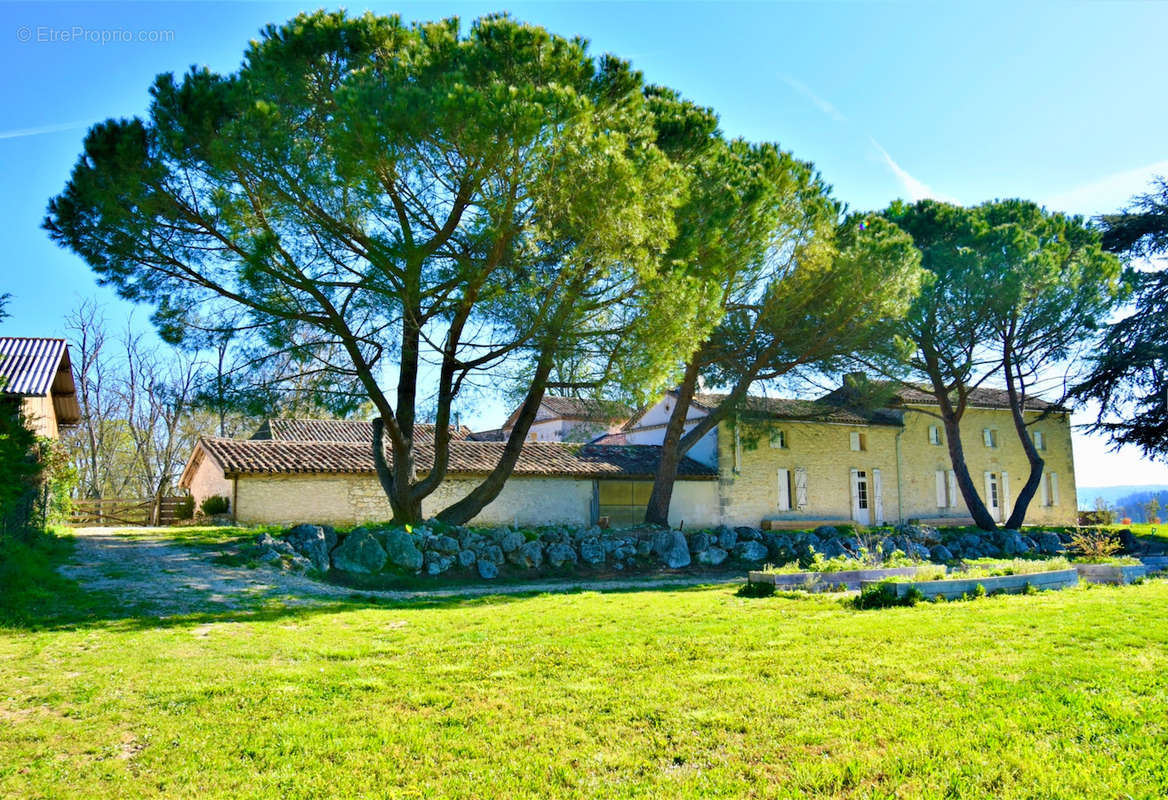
(570, 419)
(774, 463)
(37, 375)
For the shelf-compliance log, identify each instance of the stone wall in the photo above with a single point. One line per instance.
(348, 499)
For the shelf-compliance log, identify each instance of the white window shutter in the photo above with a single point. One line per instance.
(941, 495)
(784, 491)
(801, 488)
(1054, 497)
(855, 441)
(989, 489)
(952, 488)
(1044, 494)
(988, 437)
(878, 494)
(1005, 496)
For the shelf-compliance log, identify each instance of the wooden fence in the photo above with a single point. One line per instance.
(112, 511)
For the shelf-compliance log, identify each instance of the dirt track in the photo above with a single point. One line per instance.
(149, 571)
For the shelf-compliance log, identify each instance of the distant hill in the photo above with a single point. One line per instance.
(1127, 499)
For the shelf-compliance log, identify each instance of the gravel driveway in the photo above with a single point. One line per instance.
(157, 576)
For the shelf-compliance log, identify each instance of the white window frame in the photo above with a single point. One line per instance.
(857, 441)
(989, 437)
(779, 439)
(784, 489)
(934, 434)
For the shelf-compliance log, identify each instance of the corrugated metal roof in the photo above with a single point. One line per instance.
(28, 366)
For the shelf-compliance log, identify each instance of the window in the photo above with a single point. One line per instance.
(990, 437)
(993, 491)
(779, 439)
(1039, 440)
(862, 490)
(858, 442)
(784, 490)
(533, 436)
(934, 435)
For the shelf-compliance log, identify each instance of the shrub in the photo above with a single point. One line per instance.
(979, 591)
(883, 595)
(185, 508)
(215, 504)
(751, 589)
(1094, 543)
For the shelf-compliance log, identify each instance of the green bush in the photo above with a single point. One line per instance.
(883, 595)
(215, 504)
(751, 589)
(185, 508)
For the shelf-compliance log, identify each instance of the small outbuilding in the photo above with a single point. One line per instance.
(36, 373)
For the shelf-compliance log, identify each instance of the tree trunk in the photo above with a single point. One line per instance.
(407, 509)
(657, 512)
(466, 509)
(951, 418)
(1018, 512)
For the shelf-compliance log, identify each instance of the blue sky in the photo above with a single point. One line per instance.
(1062, 103)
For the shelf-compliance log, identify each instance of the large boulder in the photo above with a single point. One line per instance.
(919, 551)
(644, 547)
(747, 534)
(1127, 542)
(591, 552)
(528, 555)
(750, 551)
(826, 531)
(1011, 543)
(447, 545)
(940, 553)
(437, 563)
(727, 537)
(492, 553)
(672, 549)
(712, 556)
(400, 549)
(314, 543)
(511, 541)
(360, 553)
(487, 569)
(279, 546)
(1049, 543)
(559, 554)
(833, 548)
(466, 558)
(699, 542)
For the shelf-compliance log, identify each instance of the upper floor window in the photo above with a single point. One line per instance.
(1039, 440)
(779, 439)
(989, 437)
(934, 434)
(859, 441)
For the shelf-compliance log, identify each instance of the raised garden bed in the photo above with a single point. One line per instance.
(953, 588)
(824, 581)
(1155, 563)
(1118, 574)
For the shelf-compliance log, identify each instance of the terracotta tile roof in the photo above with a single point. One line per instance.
(579, 408)
(493, 435)
(979, 397)
(338, 430)
(37, 367)
(793, 409)
(282, 457)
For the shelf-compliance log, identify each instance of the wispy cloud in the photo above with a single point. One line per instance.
(17, 133)
(821, 104)
(1109, 193)
(915, 188)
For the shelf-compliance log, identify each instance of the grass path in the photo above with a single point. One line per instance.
(672, 693)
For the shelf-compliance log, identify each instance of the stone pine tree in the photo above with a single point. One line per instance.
(408, 195)
(1129, 371)
(1053, 287)
(793, 284)
(943, 344)
(1012, 292)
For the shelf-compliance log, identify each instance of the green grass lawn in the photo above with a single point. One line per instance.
(667, 693)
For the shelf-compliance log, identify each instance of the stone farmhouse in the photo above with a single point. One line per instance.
(36, 374)
(781, 463)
